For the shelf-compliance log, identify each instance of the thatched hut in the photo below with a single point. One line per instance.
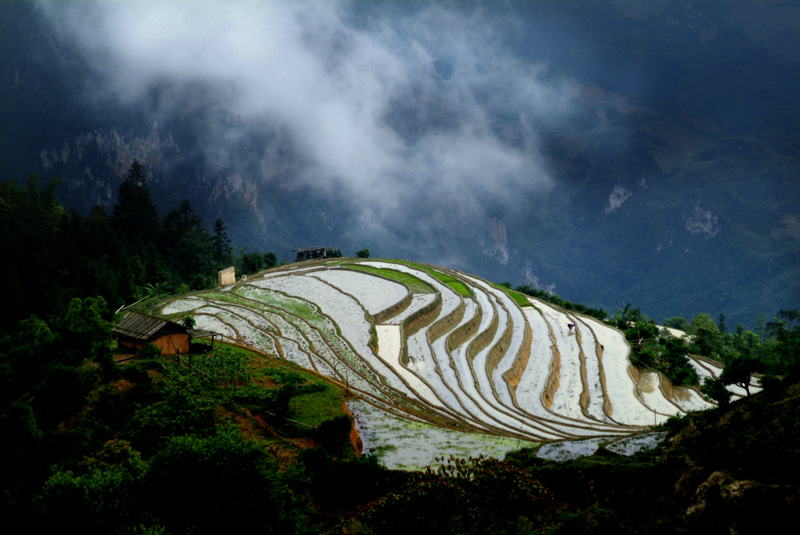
(137, 330)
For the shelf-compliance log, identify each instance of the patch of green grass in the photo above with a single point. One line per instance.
(415, 285)
(313, 409)
(459, 287)
(518, 297)
(449, 280)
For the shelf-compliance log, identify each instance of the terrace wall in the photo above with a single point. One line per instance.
(445, 324)
(423, 316)
(395, 309)
(554, 378)
(483, 339)
(514, 373)
(499, 349)
(463, 333)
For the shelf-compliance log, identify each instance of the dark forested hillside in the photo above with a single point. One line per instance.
(55, 254)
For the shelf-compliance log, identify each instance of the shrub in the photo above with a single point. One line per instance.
(219, 484)
(478, 495)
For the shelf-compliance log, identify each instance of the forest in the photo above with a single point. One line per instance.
(150, 446)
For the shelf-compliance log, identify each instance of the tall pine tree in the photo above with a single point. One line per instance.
(135, 215)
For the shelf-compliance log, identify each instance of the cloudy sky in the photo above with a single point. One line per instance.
(423, 110)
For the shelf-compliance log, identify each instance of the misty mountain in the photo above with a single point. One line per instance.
(612, 151)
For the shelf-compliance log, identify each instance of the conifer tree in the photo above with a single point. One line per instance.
(135, 214)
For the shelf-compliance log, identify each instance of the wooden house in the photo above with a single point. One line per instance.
(137, 330)
(310, 253)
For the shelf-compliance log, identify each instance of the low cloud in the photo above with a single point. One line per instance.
(617, 196)
(423, 118)
(700, 221)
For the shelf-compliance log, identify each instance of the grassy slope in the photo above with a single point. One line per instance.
(452, 282)
(416, 285)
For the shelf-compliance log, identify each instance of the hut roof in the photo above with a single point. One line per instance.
(304, 249)
(144, 327)
(140, 326)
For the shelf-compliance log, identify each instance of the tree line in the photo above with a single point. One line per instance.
(53, 254)
(771, 350)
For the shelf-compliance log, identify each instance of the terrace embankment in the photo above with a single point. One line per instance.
(599, 351)
(553, 378)
(498, 350)
(634, 373)
(667, 387)
(465, 331)
(483, 340)
(671, 392)
(584, 397)
(394, 310)
(422, 317)
(355, 438)
(446, 324)
(512, 375)
(416, 321)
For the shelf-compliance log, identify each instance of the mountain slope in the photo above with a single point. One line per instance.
(425, 344)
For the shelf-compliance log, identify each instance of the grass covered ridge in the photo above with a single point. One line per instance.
(448, 280)
(413, 283)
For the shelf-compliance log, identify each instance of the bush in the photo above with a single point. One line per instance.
(100, 495)
(714, 388)
(334, 433)
(220, 484)
(478, 495)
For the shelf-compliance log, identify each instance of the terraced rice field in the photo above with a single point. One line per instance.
(443, 358)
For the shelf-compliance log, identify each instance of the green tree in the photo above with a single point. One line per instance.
(677, 322)
(85, 330)
(221, 245)
(270, 260)
(627, 316)
(188, 247)
(249, 262)
(26, 357)
(738, 372)
(32, 225)
(714, 388)
(463, 496)
(100, 494)
(706, 335)
(219, 484)
(782, 349)
(363, 253)
(135, 214)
